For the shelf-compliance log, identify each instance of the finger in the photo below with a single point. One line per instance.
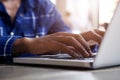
(72, 48)
(71, 41)
(83, 42)
(65, 49)
(105, 25)
(92, 35)
(99, 37)
(50, 45)
(100, 32)
(78, 37)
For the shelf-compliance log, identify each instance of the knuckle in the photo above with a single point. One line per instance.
(58, 33)
(76, 35)
(90, 32)
(70, 38)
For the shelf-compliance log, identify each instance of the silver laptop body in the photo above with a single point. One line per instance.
(108, 54)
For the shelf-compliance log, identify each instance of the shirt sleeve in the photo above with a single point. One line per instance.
(59, 24)
(6, 43)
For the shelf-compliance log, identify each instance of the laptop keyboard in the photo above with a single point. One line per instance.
(65, 56)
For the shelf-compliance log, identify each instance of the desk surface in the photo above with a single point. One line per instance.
(16, 72)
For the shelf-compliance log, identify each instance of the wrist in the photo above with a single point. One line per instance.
(20, 46)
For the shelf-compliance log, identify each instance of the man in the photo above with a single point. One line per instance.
(36, 27)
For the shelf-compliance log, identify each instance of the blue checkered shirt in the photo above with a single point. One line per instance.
(34, 18)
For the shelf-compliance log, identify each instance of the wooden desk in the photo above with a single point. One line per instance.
(16, 72)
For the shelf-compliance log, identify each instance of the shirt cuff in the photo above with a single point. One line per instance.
(6, 44)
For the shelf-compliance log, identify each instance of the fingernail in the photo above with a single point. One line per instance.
(90, 53)
(87, 54)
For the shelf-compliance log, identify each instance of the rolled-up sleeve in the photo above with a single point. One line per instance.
(6, 44)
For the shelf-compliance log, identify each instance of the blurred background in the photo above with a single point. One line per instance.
(84, 15)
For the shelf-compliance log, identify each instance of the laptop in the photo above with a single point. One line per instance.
(108, 54)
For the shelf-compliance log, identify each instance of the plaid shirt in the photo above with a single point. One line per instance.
(34, 18)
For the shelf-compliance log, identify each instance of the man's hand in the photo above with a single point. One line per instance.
(95, 35)
(73, 44)
(93, 38)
